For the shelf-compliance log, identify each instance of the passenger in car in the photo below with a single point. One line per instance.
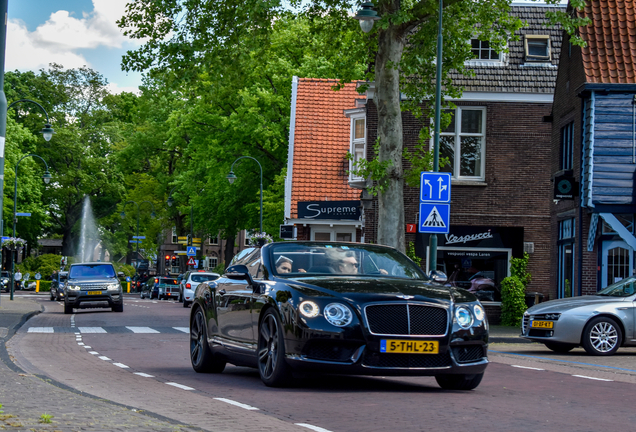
(284, 265)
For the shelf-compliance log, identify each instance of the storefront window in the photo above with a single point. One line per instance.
(566, 258)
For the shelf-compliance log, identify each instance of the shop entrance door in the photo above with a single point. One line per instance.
(618, 262)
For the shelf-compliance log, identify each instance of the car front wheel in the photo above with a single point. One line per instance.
(202, 358)
(272, 366)
(68, 309)
(459, 382)
(602, 336)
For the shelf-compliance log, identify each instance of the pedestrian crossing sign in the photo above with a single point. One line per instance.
(434, 218)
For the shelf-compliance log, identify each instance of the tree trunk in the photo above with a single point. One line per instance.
(229, 250)
(387, 83)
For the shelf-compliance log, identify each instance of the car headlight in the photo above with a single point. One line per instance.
(338, 314)
(309, 309)
(464, 317)
(113, 287)
(74, 287)
(479, 312)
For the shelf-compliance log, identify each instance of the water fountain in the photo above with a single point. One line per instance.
(89, 236)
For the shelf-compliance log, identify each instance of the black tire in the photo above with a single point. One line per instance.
(141, 295)
(181, 299)
(52, 298)
(118, 308)
(459, 382)
(272, 367)
(186, 304)
(602, 336)
(68, 309)
(558, 347)
(201, 356)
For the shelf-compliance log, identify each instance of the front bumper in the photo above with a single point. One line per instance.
(82, 299)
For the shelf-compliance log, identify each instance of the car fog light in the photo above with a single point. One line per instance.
(309, 309)
(338, 314)
(464, 317)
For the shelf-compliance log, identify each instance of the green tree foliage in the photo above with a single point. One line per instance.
(184, 37)
(45, 264)
(513, 292)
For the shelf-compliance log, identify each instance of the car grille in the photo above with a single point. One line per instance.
(406, 360)
(89, 287)
(406, 320)
(469, 353)
(330, 350)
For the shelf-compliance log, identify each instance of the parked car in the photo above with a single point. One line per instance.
(190, 282)
(5, 280)
(57, 285)
(600, 323)
(160, 288)
(338, 308)
(93, 285)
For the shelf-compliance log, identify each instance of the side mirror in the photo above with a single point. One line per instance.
(438, 276)
(238, 272)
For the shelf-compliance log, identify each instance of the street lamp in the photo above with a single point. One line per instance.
(47, 178)
(47, 131)
(123, 216)
(231, 177)
(367, 15)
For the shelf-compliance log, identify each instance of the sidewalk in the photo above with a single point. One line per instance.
(25, 398)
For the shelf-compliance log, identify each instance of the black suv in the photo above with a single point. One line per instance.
(93, 285)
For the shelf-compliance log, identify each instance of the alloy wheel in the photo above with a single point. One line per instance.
(268, 353)
(603, 336)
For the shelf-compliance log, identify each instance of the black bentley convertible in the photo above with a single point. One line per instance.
(346, 308)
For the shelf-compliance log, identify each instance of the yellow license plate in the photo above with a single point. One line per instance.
(94, 292)
(542, 324)
(409, 346)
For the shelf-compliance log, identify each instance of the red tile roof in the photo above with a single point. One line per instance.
(321, 142)
(610, 55)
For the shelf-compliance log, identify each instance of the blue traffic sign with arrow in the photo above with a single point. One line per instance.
(435, 187)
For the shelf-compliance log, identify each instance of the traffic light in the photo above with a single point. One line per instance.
(167, 261)
(175, 261)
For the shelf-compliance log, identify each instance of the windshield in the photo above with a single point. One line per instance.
(203, 277)
(622, 288)
(88, 271)
(5, 274)
(311, 259)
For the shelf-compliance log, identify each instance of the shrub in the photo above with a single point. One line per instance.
(513, 292)
(220, 268)
(44, 264)
(410, 252)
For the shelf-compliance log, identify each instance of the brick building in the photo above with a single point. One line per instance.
(594, 152)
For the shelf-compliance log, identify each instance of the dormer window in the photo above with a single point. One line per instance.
(537, 48)
(482, 50)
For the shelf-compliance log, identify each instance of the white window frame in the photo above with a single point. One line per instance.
(458, 135)
(332, 232)
(357, 147)
(175, 238)
(533, 58)
(213, 241)
(500, 61)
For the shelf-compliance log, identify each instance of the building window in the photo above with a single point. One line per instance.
(565, 246)
(212, 262)
(358, 144)
(567, 146)
(537, 48)
(463, 142)
(626, 219)
(246, 236)
(213, 240)
(482, 50)
(174, 235)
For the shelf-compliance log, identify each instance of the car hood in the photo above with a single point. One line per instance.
(562, 305)
(383, 289)
(83, 281)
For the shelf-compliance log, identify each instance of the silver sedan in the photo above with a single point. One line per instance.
(599, 323)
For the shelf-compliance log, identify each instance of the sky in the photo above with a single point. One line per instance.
(73, 33)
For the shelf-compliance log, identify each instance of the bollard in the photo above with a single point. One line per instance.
(37, 286)
(128, 283)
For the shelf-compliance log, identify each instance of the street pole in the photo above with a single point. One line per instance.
(4, 4)
(432, 242)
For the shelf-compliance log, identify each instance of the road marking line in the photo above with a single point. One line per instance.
(41, 330)
(592, 378)
(80, 343)
(526, 367)
(93, 352)
(181, 386)
(312, 427)
(142, 330)
(123, 366)
(238, 404)
(87, 347)
(91, 330)
(560, 360)
(182, 329)
(104, 358)
(145, 375)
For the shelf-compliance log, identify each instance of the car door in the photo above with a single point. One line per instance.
(234, 309)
